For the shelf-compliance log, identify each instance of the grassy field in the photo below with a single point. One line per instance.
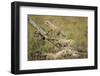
(74, 28)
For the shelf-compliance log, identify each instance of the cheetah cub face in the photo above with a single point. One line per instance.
(47, 22)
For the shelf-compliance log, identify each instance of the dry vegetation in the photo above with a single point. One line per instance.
(72, 28)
